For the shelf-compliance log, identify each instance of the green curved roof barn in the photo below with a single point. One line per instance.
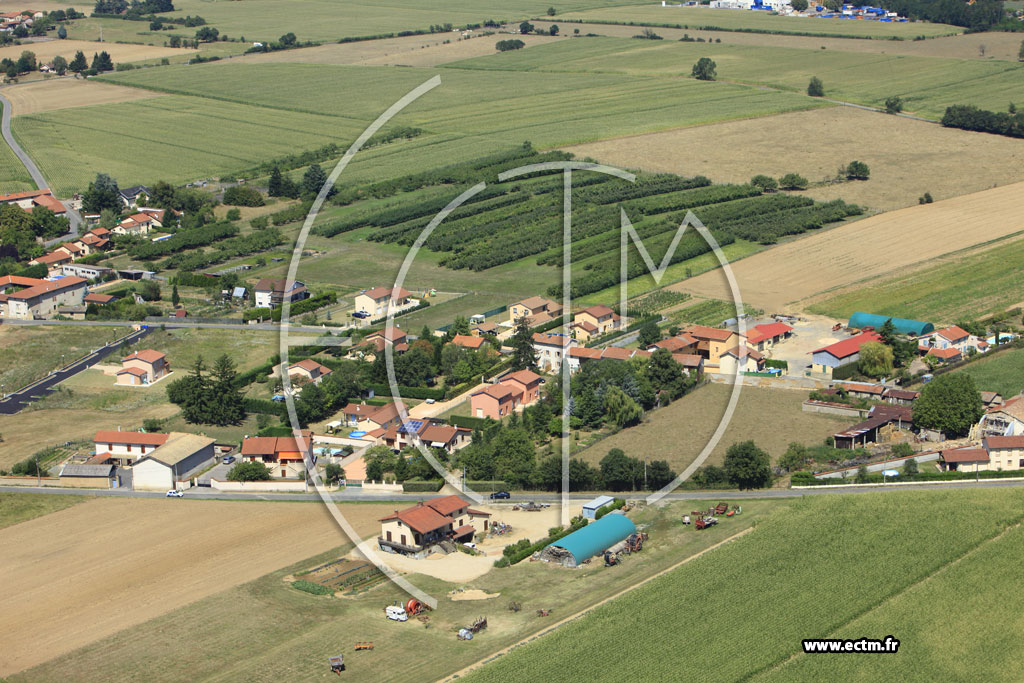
(903, 326)
(596, 537)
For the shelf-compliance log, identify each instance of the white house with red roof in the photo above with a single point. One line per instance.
(376, 300)
(125, 447)
(468, 342)
(766, 335)
(284, 456)
(595, 321)
(310, 370)
(143, 367)
(828, 358)
(551, 348)
(414, 530)
(270, 292)
(952, 337)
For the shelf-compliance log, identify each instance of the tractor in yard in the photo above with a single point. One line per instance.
(610, 559)
(705, 521)
(337, 664)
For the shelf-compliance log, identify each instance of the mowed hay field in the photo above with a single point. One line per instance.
(916, 156)
(119, 52)
(867, 249)
(695, 17)
(108, 564)
(959, 286)
(28, 353)
(927, 84)
(429, 50)
(1002, 46)
(42, 96)
(770, 417)
(910, 565)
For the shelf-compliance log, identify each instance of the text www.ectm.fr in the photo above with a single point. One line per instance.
(889, 644)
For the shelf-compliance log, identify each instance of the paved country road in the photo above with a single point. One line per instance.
(357, 496)
(14, 402)
(171, 324)
(5, 128)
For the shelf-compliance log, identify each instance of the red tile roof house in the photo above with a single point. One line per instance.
(681, 343)
(143, 367)
(375, 342)
(953, 337)
(740, 359)
(526, 382)
(376, 301)
(126, 447)
(765, 336)
(845, 352)
(496, 401)
(536, 309)
(368, 417)
(26, 298)
(468, 342)
(399, 436)
(948, 355)
(415, 530)
(283, 455)
(33, 198)
(595, 321)
(309, 369)
(550, 349)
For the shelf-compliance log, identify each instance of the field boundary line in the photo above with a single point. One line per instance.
(573, 617)
(889, 598)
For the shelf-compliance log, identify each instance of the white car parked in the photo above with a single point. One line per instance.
(175, 493)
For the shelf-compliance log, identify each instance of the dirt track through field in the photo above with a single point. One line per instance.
(78, 575)
(584, 612)
(42, 96)
(867, 249)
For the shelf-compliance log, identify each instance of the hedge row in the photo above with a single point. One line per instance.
(436, 393)
(306, 305)
(414, 486)
(808, 479)
(185, 239)
(604, 510)
(418, 307)
(488, 486)
(265, 407)
(469, 422)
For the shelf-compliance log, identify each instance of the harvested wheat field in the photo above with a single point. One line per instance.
(119, 52)
(1000, 46)
(422, 51)
(867, 249)
(41, 96)
(88, 571)
(907, 157)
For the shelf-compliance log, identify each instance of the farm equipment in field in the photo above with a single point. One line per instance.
(414, 607)
(479, 625)
(686, 520)
(531, 506)
(610, 559)
(500, 528)
(635, 542)
(543, 612)
(704, 522)
(837, 327)
(364, 645)
(514, 606)
(337, 664)
(721, 508)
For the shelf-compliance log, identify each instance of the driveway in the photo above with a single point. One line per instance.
(17, 400)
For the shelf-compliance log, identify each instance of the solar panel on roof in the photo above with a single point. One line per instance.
(411, 427)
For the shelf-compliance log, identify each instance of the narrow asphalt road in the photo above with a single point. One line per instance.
(171, 324)
(15, 401)
(5, 128)
(358, 496)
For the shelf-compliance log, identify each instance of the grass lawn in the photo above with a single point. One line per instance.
(927, 84)
(678, 432)
(1002, 372)
(266, 630)
(20, 507)
(28, 353)
(247, 348)
(740, 612)
(952, 288)
(13, 176)
(731, 20)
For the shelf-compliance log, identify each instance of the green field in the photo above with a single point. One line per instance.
(826, 566)
(30, 353)
(944, 293)
(735, 20)
(323, 20)
(249, 113)
(1002, 372)
(927, 84)
(21, 507)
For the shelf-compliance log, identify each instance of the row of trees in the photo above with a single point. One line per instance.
(27, 62)
(282, 185)
(209, 397)
(969, 117)
(746, 467)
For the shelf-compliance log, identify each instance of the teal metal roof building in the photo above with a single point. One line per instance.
(902, 325)
(594, 538)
